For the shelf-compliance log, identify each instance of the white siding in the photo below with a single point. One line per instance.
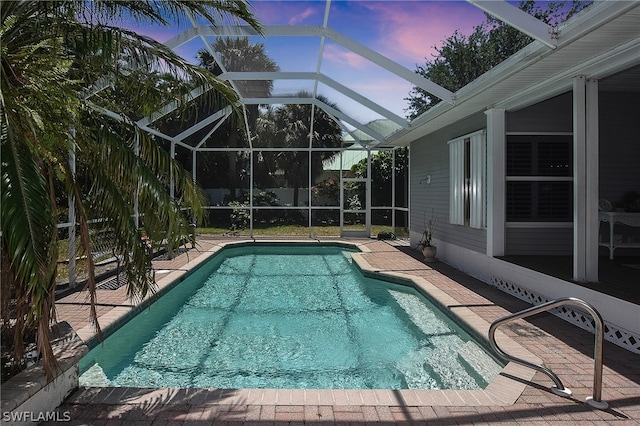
(429, 156)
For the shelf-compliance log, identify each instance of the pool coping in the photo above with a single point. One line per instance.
(503, 390)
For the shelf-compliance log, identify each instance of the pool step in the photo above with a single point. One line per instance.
(426, 320)
(446, 363)
(437, 367)
(416, 372)
(478, 361)
(94, 376)
(454, 363)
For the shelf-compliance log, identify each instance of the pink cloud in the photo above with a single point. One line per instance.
(288, 12)
(302, 17)
(410, 30)
(337, 54)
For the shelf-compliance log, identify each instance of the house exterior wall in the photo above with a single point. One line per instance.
(619, 130)
(465, 248)
(619, 125)
(603, 127)
(429, 162)
(430, 158)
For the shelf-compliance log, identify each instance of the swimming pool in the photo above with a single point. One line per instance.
(289, 317)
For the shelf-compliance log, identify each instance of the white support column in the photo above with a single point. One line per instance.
(136, 198)
(172, 183)
(194, 176)
(579, 181)
(496, 181)
(309, 193)
(592, 166)
(194, 162)
(393, 189)
(367, 214)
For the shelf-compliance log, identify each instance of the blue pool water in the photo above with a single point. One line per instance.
(288, 317)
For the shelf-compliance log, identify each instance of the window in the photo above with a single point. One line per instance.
(468, 183)
(539, 178)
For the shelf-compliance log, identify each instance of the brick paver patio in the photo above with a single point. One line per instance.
(522, 396)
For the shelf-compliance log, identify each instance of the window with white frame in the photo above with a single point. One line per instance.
(468, 180)
(539, 177)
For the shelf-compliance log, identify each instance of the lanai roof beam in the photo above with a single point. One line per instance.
(320, 78)
(223, 113)
(520, 20)
(317, 31)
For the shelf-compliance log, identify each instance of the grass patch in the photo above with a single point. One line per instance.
(299, 231)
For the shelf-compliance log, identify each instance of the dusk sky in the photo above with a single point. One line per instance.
(404, 31)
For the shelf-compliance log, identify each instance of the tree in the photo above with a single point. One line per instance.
(382, 172)
(289, 126)
(73, 82)
(238, 55)
(461, 59)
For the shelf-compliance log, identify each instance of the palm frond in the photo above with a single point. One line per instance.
(51, 52)
(29, 237)
(25, 211)
(160, 12)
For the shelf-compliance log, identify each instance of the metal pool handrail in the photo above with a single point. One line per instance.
(559, 388)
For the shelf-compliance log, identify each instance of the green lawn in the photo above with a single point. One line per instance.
(299, 231)
(261, 231)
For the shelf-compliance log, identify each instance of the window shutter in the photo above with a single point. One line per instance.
(478, 184)
(456, 183)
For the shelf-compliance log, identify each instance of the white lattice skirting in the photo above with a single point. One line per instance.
(583, 320)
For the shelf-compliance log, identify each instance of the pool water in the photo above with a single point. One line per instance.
(288, 317)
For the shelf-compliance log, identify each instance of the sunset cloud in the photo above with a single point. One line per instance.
(289, 12)
(337, 54)
(409, 32)
(302, 17)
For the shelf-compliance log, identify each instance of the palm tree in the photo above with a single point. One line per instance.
(73, 82)
(382, 172)
(290, 126)
(238, 54)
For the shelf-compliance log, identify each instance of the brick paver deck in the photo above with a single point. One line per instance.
(518, 396)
